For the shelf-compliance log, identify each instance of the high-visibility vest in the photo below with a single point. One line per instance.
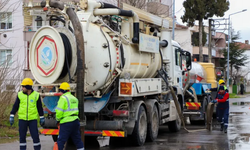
(28, 106)
(67, 108)
(225, 87)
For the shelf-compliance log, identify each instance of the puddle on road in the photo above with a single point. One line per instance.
(240, 103)
(238, 130)
(238, 113)
(241, 142)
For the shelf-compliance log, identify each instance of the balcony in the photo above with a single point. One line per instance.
(38, 2)
(220, 35)
(158, 8)
(196, 50)
(28, 32)
(219, 52)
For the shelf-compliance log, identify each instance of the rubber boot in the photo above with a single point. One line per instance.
(221, 126)
(225, 129)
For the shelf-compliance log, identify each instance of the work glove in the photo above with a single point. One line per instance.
(214, 101)
(11, 120)
(42, 120)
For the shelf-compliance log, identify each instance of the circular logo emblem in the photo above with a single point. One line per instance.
(46, 54)
(31, 100)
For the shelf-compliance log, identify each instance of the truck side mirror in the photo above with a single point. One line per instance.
(188, 59)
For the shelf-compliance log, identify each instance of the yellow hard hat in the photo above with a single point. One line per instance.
(221, 81)
(27, 81)
(64, 86)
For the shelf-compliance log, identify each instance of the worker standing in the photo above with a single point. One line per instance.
(67, 113)
(223, 108)
(29, 105)
(241, 88)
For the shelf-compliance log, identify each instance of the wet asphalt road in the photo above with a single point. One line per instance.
(239, 127)
(237, 137)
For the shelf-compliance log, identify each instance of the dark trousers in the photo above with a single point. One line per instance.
(242, 91)
(222, 115)
(23, 127)
(70, 129)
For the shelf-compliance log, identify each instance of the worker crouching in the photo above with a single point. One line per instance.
(223, 108)
(67, 113)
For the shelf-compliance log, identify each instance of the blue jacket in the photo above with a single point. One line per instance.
(223, 100)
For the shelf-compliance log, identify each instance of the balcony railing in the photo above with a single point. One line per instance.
(31, 28)
(28, 32)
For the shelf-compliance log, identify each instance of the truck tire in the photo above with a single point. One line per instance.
(204, 109)
(153, 125)
(175, 126)
(140, 130)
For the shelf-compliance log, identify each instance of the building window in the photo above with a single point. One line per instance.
(197, 57)
(5, 57)
(6, 20)
(39, 22)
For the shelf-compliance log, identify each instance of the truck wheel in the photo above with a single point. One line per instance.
(140, 130)
(204, 104)
(153, 126)
(175, 126)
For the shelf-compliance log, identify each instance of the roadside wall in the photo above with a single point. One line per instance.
(238, 89)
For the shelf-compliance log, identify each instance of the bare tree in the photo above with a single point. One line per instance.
(238, 73)
(11, 64)
(156, 8)
(10, 78)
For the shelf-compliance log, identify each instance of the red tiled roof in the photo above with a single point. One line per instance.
(243, 45)
(181, 26)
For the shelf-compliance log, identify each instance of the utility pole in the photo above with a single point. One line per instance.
(173, 19)
(210, 41)
(228, 46)
(228, 50)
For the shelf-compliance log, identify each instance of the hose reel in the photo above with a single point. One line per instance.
(53, 56)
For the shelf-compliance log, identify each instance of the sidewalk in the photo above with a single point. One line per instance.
(243, 96)
(46, 142)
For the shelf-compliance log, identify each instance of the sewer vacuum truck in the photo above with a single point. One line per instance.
(130, 64)
(196, 84)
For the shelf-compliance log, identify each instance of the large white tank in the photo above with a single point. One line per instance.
(196, 74)
(48, 53)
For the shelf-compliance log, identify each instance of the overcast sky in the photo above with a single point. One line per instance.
(240, 22)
